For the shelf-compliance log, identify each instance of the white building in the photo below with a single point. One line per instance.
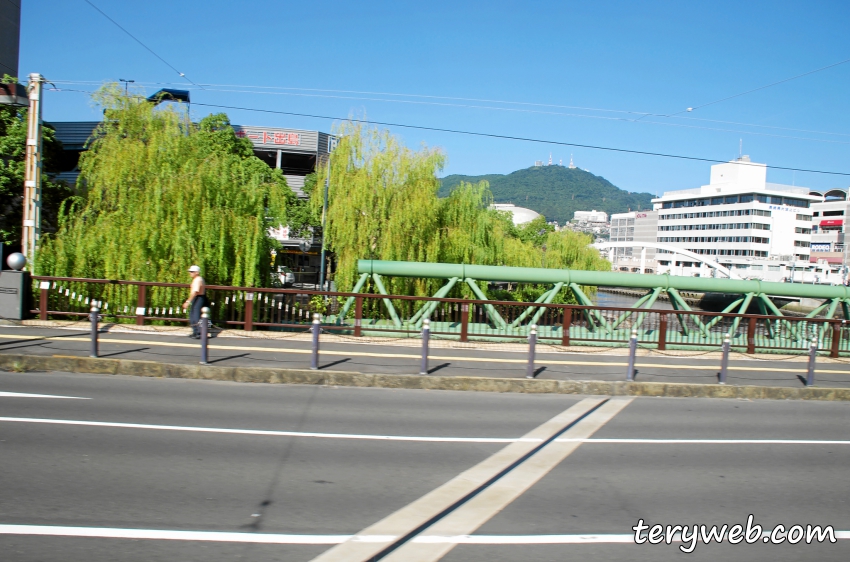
(593, 216)
(829, 224)
(759, 230)
(636, 226)
(520, 215)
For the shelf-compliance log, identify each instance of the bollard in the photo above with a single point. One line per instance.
(724, 362)
(813, 353)
(94, 316)
(630, 374)
(532, 343)
(426, 336)
(317, 326)
(204, 327)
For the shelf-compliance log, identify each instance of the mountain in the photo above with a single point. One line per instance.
(556, 191)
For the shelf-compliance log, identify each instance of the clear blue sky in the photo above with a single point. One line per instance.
(646, 57)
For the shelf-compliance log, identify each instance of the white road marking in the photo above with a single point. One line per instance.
(25, 395)
(414, 438)
(268, 538)
(418, 513)
(470, 516)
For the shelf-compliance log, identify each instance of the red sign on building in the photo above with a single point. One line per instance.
(272, 137)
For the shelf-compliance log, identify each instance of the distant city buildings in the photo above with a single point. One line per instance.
(591, 217)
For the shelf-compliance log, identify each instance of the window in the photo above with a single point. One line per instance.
(757, 267)
(716, 200)
(816, 213)
(800, 230)
(801, 243)
(773, 268)
(746, 198)
(761, 199)
(806, 218)
(833, 213)
(730, 199)
(797, 203)
(667, 205)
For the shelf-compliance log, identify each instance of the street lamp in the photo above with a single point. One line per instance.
(126, 84)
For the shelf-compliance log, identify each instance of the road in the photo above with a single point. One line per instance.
(201, 470)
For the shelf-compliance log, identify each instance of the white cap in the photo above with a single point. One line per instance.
(194, 268)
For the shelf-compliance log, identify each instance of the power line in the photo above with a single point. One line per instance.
(761, 87)
(137, 40)
(511, 137)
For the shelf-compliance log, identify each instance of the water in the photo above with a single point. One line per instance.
(627, 301)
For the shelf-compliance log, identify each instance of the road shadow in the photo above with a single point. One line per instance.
(122, 352)
(537, 371)
(337, 362)
(228, 357)
(802, 379)
(433, 370)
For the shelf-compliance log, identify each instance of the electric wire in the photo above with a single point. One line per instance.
(137, 40)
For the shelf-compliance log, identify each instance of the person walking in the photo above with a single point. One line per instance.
(197, 300)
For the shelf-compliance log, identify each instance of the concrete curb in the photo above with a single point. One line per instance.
(14, 362)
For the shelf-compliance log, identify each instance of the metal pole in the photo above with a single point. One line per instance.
(317, 326)
(205, 320)
(813, 353)
(94, 316)
(724, 362)
(32, 177)
(630, 374)
(532, 343)
(426, 336)
(324, 218)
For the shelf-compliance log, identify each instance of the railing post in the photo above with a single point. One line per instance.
(630, 374)
(662, 332)
(94, 316)
(358, 316)
(724, 361)
(751, 335)
(42, 299)
(317, 327)
(532, 344)
(426, 336)
(837, 332)
(813, 353)
(249, 311)
(568, 321)
(141, 307)
(464, 321)
(204, 326)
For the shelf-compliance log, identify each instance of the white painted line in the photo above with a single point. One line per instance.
(268, 538)
(470, 516)
(425, 509)
(708, 441)
(25, 395)
(272, 433)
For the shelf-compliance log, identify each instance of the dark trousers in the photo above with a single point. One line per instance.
(198, 303)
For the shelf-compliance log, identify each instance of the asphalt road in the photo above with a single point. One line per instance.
(140, 457)
(447, 358)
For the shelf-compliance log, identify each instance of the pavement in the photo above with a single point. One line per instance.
(447, 358)
(103, 468)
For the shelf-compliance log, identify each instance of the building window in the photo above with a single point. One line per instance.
(800, 230)
(806, 218)
(833, 213)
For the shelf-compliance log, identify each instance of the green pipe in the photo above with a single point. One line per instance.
(726, 310)
(599, 278)
(390, 308)
(649, 303)
(530, 309)
(846, 308)
(427, 310)
(743, 310)
(350, 300)
(489, 308)
(548, 300)
(675, 304)
(591, 314)
(764, 311)
(829, 314)
(628, 314)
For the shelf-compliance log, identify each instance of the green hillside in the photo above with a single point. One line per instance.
(556, 191)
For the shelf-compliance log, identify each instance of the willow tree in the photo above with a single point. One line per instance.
(383, 205)
(161, 193)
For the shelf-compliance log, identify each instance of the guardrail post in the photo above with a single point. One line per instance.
(317, 327)
(568, 321)
(662, 332)
(532, 344)
(204, 326)
(630, 374)
(141, 306)
(249, 311)
(358, 317)
(464, 321)
(94, 316)
(42, 300)
(724, 361)
(813, 353)
(751, 335)
(426, 336)
(837, 333)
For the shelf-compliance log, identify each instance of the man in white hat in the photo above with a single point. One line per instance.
(197, 300)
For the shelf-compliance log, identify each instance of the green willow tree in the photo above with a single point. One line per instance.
(160, 193)
(383, 205)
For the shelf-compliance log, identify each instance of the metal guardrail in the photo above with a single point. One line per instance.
(141, 302)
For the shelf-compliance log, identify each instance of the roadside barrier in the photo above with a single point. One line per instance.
(317, 327)
(94, 316)
(532, 344)
(724, 362)
(633, 342)
(204, 327)
(426, 337)
(813, 353)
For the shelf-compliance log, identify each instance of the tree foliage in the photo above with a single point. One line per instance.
(383, 205)
(160, 194)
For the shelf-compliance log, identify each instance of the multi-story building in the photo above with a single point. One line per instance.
(758, 229)
(829, 217)
(593, 217)
(636, 226)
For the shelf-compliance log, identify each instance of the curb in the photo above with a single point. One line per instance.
(14, 362)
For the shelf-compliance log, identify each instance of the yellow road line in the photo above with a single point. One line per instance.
(417, 356)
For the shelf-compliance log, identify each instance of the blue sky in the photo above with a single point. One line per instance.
(608, 58)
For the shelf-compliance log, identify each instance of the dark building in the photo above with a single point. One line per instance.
(10, 36)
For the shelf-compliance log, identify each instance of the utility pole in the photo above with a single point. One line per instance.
(32, 177)
(332, 142)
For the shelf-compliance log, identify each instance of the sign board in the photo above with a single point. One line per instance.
(821, 247)
(832, 222)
